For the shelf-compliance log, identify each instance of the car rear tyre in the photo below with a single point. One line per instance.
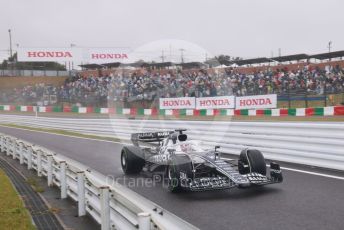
(253, 160)
(179, 164)
(132, 160)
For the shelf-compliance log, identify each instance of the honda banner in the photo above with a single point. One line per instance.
(256, 102)
(106, 55)
(47, 54)
(225, 102)
(75, 54)
(177, 103)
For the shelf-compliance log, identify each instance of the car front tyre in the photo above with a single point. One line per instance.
(253, 160)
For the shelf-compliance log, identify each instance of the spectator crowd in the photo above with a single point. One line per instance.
(149, 85)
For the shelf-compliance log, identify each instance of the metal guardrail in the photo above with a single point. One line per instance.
(310, 143)
(112, 206)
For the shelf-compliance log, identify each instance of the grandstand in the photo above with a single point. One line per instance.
(294, 78)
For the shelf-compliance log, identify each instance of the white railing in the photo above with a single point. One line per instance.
(111, 205)
(311, 143)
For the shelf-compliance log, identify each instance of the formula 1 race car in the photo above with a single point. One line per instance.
(188, 166)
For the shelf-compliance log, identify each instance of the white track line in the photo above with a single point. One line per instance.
(313, 173)
(304, 171)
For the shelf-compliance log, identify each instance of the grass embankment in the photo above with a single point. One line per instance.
(61, 132)
(13, 214)
(35, 185)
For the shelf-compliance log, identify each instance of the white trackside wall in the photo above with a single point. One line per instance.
(310, 143)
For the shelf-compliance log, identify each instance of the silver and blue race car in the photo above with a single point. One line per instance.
(188, 166)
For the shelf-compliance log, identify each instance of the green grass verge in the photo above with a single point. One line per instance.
(13, 214)
(35, 185)
(62, 132)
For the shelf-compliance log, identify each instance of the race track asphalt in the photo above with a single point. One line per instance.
(302, 201)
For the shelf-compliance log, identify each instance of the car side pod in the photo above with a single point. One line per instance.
(275, 172)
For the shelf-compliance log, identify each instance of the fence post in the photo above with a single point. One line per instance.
(144, 221)
(8, 146)
(105, 208)
(39, 163)
(50, 170)
(2, 143)
(29, 158)
(289, 102)
(21, 153)
(63, 180)
(325, 94)
(81, 194)
(14, 149)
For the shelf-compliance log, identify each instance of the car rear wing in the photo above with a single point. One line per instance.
(150, 136)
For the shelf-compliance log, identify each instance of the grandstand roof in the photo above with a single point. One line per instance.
(112, 65)
(322, 56)
(190, 65)
(135, 64)
(92, 66)
(139, 64)
(253, 61)
(294, 57)
(229, 63)
(159, 64)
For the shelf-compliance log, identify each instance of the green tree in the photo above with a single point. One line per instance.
(223, 59)
(31, 65)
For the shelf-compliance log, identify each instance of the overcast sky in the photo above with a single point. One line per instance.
(245, 28)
